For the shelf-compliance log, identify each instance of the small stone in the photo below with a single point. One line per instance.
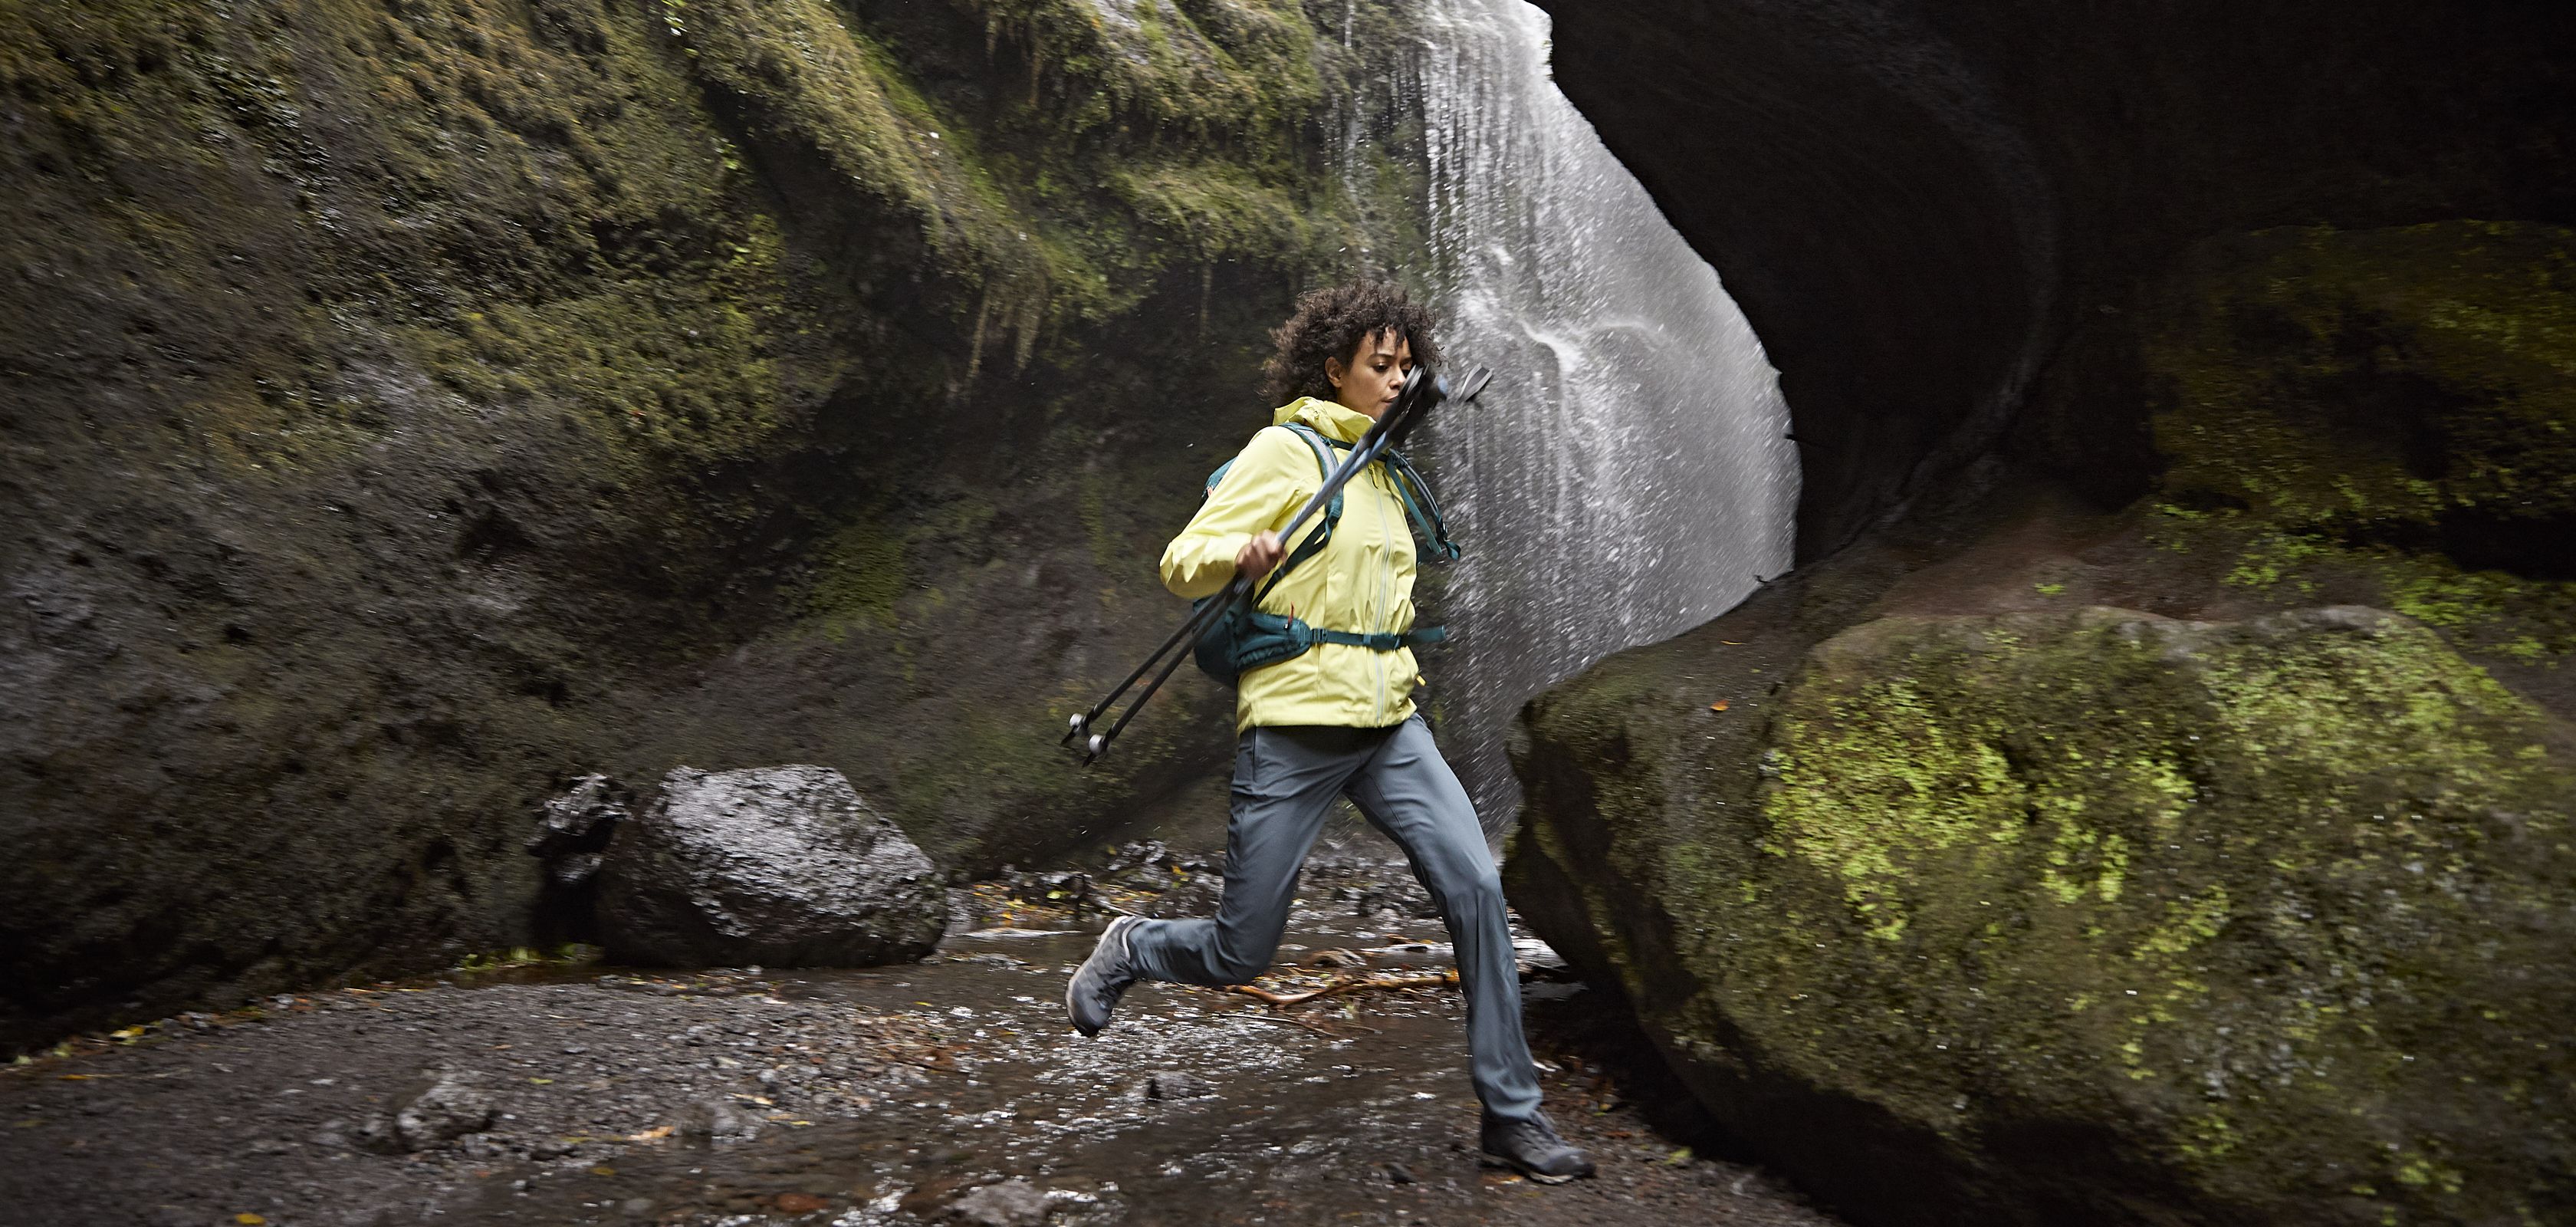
(1399, 1173)
(716, 1121)
(1012, 1203)
(451, 1108)
(1173, 1084)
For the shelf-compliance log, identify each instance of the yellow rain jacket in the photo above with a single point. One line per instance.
(1361, 582)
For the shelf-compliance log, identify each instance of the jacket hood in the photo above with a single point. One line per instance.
(1334, 419)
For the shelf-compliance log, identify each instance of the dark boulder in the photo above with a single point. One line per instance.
(575, 827)
(2089, 916)
(776, 866)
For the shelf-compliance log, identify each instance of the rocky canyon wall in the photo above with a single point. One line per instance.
(411, 404)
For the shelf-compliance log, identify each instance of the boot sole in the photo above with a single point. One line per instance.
(1494, 1160)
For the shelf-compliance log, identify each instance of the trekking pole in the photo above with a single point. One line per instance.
(1421, 393)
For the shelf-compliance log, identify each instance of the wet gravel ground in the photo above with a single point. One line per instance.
(950, 1091)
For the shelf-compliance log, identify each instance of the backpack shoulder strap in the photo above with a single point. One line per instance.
(1421, 507)
(1323, 535)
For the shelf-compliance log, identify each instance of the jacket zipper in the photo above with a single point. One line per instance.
(1385, 597)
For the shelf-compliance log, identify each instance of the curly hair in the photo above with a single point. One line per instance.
(1329, 324)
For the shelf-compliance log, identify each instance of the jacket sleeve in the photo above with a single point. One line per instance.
(1258, 494)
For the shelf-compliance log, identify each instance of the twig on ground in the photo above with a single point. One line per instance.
(1336, 989)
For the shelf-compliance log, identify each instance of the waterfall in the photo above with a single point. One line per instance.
(1628, 476)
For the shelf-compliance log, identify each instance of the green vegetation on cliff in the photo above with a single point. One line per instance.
(2083, 914)
(417, 402)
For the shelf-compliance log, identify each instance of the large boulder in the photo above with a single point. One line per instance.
(777, 866)
(2088, 917)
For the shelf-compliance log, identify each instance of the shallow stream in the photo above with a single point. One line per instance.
(947, 1091)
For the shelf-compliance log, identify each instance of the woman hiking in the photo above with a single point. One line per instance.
(1338, 719)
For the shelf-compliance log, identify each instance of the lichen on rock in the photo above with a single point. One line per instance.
(2094, 916)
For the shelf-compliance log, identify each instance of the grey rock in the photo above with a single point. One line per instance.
(1012, 1203)
(781, 866)
(452, 1107)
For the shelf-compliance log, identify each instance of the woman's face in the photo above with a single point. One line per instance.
(1367, 379)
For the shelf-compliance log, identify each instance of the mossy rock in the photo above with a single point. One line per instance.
(2088, 917)
(2396, 404)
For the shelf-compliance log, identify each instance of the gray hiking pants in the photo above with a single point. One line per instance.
(1285, 779)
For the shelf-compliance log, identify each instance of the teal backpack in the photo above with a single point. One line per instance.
(1244, 638)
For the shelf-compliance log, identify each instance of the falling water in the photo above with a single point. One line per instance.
(1628, 476)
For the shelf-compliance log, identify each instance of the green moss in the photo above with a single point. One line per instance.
(858, 577)
(2382, 404)
(2270, 906)
(825, 83)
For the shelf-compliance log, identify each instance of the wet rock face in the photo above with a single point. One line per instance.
(1939, 214)
(320, 586)
(2088, 917)
(774, 866)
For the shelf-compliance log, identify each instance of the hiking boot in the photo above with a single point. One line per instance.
(1532, 1148)
(1095, 987)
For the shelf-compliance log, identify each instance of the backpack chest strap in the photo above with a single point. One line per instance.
(1387, 641)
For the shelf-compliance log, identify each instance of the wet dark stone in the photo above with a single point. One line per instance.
(1173, 1084)
(582, 819)
(782, 866)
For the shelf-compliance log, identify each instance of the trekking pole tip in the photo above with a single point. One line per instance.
(1097, 745)
(1079, 719)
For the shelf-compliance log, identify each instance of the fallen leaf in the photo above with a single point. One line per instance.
(1720, 705)
(654, 1134)
(799, 1203)
(249, 1220)
(1732, 643)
(542, 1081)
(603, 1170)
